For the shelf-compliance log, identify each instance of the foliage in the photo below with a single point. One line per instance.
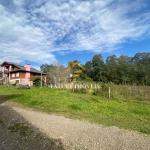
(80, 91)
(120, 70)
(36, 80)
(97, 61)
(103, 91)
(21, 129)
(45, 67)
(84, 77)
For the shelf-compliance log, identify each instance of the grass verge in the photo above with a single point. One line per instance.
(131, 115)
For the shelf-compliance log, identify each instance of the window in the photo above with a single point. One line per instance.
(7, 68)
(13, 75)
(17, 81)
(6, 75)
(17, 74)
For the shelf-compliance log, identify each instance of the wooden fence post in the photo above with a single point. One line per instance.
(109, 92)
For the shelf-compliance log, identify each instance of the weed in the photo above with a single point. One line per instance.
(74, 107)
(20, 128)
(80, 91)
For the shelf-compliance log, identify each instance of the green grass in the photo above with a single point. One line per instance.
(127, 114)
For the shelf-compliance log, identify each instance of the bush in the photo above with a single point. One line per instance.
(80, 91)
(103, 91)
(36, 80)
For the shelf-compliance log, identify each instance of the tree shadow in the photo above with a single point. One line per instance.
(6, 97)
(18, 133)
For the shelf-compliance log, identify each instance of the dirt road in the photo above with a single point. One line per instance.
(73, 134)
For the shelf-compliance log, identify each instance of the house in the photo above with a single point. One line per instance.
(0, 80)
(16, 73)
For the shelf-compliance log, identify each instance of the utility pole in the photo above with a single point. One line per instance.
(41, 78)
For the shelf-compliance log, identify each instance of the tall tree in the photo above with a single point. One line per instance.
(120, 70)
(143, 62)
(123, 70)
(112, 59)
(45, 67)
(97, 60)
(98, 68)
(88, 70)
(111, 69)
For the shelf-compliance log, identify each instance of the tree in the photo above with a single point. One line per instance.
(45, 67)
(97, 61)
(111, 69)
(98, 68)
(88, 65)
(88, 70)
(142, 60)
(112, 59)
(58, 73)
(123, 69)
(120, 70)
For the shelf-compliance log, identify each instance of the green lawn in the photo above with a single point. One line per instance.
(131, 115)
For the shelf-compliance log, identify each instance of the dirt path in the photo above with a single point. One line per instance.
(82, 135)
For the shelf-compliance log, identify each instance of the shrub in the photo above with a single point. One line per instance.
(80, 91)
(103, 91)
(36, 80)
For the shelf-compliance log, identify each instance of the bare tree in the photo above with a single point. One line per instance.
(58, 73)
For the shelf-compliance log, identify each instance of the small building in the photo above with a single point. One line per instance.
(16, 73)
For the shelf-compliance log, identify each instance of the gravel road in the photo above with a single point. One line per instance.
(64, 133)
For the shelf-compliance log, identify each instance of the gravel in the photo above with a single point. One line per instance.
(64, 133)
(16, 133)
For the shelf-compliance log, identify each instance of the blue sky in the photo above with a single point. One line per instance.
(47, 31)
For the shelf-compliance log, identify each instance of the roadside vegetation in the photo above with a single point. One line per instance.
(128, 106)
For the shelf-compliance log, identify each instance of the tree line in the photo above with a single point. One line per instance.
(119, 70)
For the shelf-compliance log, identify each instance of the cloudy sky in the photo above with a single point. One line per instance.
(43, 31)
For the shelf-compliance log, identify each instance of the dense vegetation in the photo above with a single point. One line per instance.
(119, 70)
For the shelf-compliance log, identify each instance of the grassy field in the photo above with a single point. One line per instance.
(127, 114)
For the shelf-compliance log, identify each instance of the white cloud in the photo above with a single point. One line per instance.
(32, 30)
